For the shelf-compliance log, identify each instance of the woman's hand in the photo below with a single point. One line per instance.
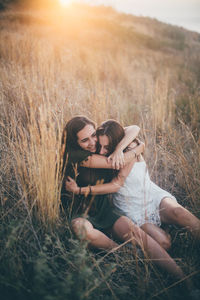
(71, 185)
(117, 159)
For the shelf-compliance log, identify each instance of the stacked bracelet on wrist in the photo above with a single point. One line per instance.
(90, 190)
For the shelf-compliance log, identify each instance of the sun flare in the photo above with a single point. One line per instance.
(65, 2)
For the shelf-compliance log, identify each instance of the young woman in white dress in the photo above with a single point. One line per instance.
(144, 202)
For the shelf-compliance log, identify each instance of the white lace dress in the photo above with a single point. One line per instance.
(139, 198)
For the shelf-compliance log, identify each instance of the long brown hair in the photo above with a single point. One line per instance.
(69, 137)
(114, 131)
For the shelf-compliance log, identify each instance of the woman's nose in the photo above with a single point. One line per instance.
(101, 151)
(91, 143)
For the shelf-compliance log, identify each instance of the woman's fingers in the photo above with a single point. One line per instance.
(115, 163)
(69, 179)
(122, 161)
(118, 164)
(68, 185)
(69, 182)
(117, 160)
(112, 160)
(71, 186)
(109, 158)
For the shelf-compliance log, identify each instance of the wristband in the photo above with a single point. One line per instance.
(79, 191)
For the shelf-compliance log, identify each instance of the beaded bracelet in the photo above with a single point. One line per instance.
(90, 189)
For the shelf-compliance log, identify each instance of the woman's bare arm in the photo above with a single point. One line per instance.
(100, 189)
(117, 157)
(115, 184)
(131, 132)
(101, 162)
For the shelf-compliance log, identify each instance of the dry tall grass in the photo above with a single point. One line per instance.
(56, 65)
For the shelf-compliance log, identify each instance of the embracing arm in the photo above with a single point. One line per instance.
(117, 157)
(100, 189)
(131, 132)
(100, 162)
(115, 184)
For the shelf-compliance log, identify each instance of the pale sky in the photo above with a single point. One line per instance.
(185, 13)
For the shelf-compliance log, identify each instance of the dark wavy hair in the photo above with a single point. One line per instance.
(114, 131)
(69, 137)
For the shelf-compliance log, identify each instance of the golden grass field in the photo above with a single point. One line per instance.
(93, 61)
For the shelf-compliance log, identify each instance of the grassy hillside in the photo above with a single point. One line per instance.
(92, 61)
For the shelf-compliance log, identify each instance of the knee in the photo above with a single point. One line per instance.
(178, 213)
(83, 229)
(79, 228)
(132, 230)
(124, 228)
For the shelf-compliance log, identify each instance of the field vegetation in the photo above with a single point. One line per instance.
(93, 61)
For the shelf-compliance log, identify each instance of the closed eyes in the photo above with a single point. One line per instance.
(105, 147)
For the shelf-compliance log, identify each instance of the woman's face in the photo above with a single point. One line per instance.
(103, 144)
(87, 139)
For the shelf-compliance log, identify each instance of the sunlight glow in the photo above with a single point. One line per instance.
(65, 2)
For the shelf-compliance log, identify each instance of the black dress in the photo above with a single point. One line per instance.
(99, 209)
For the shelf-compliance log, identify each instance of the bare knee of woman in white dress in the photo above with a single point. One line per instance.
(158, 234)
(172, 212)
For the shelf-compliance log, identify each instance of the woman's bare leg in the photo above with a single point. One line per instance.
(97, 239)
(158, 234)
(173, 213)
(124, 229)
